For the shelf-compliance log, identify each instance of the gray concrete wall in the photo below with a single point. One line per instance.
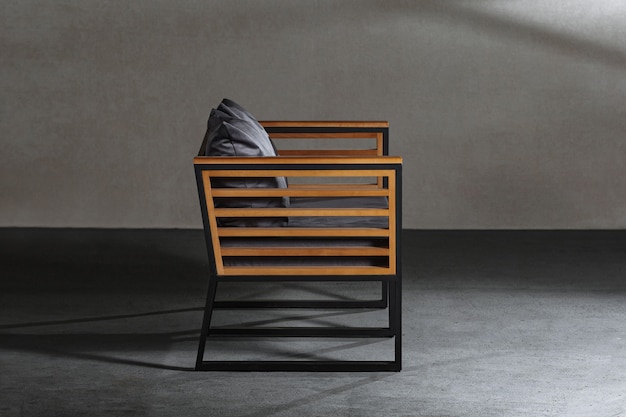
(508, 114)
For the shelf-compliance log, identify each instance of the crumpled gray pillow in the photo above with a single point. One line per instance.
(233, 131)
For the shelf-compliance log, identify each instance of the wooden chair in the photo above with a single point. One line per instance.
(345, 223)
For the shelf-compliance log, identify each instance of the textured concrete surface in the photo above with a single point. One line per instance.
(509, 114)
(105, 323)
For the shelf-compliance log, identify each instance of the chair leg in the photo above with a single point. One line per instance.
(206, 321)
(390, 297)
(395, 319)
(384, 294)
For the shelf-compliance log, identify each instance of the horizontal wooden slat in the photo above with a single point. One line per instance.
(324, 123)
(284, 160)
(328, 152)
(244, 173)
(299, 192)
(300, 232)
(308, 270)
(309, 212)
(324, 135)
(293, 185)
(304, 251)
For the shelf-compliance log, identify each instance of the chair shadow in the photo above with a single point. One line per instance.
(97, 347)
(101, 347)
(83, 345)
(118, 262)
(96, 319)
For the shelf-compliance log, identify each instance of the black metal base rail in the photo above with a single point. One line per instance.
(351, 332)
(300, 366)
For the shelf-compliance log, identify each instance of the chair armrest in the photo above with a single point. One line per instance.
(312, 124)
(356, 138)
(286, 160)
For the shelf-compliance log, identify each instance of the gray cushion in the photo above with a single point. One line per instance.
(340, 221)
(232, 131)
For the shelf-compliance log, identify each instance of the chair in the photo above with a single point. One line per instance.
(342, 222)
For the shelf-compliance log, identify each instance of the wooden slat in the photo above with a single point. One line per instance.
(244, 173)
(309, 212)
(300, 232)
(379, 143)
(300, 192)
(215, 241)
(328, 152)
(370, 186)
(307, 270)
(305, 251)
(283, 160)
(324, 123)
(324, 135)
(392, 222)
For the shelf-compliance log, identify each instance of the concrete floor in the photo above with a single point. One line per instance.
(105, 323)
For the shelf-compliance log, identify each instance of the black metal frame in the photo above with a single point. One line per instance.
(391, 292)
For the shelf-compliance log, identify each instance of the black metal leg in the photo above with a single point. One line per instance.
(391, 297)
(206, 321)
(395, 317)
(384, 294)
